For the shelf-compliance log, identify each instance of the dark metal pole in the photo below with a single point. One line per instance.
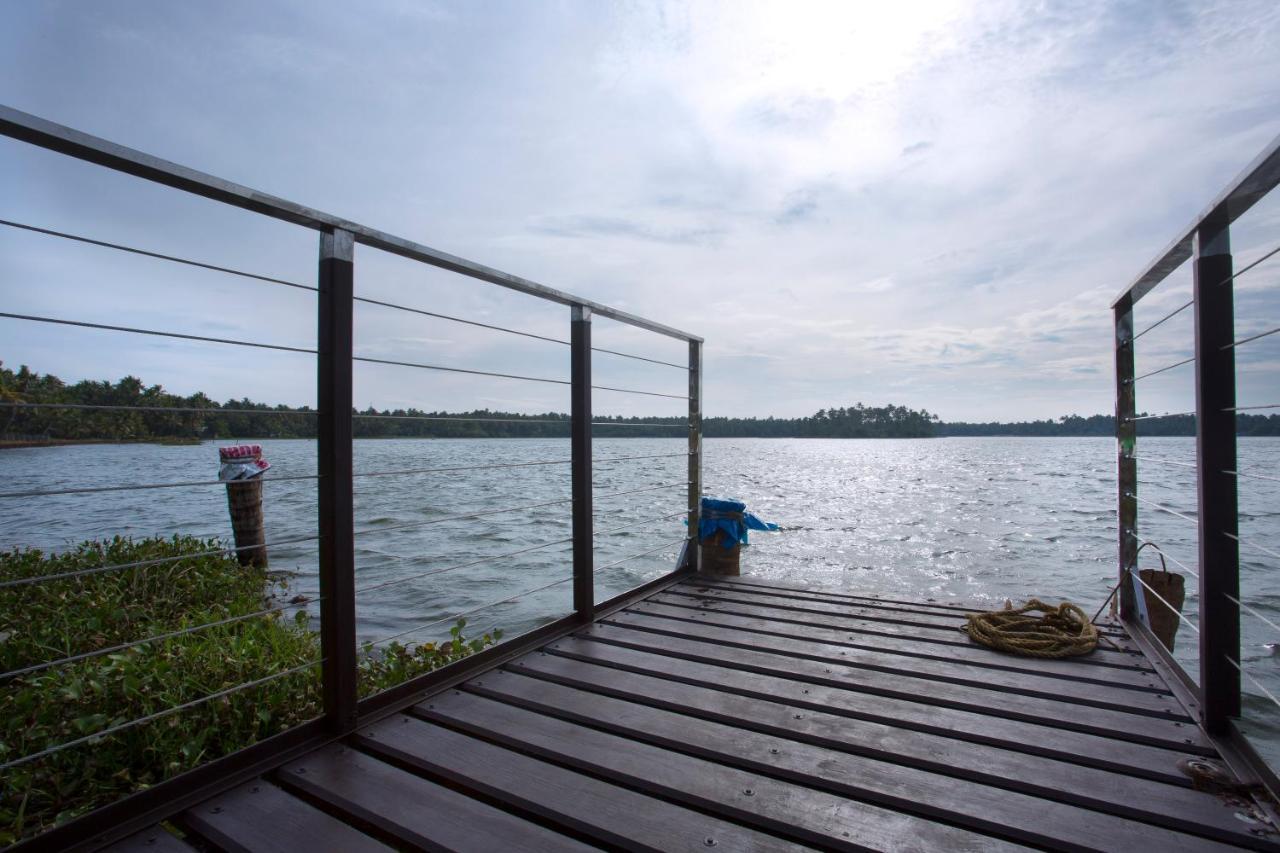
(1215, 455)
(695, 452)
(1126, 464)
(337, 536)
(580, 447)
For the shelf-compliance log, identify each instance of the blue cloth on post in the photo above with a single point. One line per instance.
(731, 517)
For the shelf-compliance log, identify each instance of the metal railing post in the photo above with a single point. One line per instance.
(695, 451)
(1126, 464)
(1215, 456)
(580, 447)
(336, 503)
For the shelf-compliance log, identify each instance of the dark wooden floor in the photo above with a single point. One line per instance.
(740, 715)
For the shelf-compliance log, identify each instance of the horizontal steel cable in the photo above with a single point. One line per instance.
(457, 616)
(421, 366)
(1175, 312)
(681, 425)
(641, 358)
(646, 489)
(148, 254)
(1160, 598)
(1161, 507)
(1261, 548)
(279, 608)
(1156, 417)
(1252, 476)
(159, 714)
(85, 325)
(465, 517)
(661, 547)
(457, 468)
(630, 458)
(1238, 603)
(162, 409)
(369, 301)
(645, 393)
(613, 530)
(1170, 557)
(140, 564)
(565, 420)
(1162, 461)
(1251, 338)
(88, 490)
(1248, 267)
(1252, 408)
(1253, 680)
(1163, 369)
(428, 574)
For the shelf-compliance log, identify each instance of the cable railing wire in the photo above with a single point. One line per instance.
(645, 489)
(460, 615)
(421, 366)
(90, 490)
(390, 417)
(457, 468)
(465, 517)
(231, 620)
(453, 319)
(1238, 603)
(661, 547)
(1253, 680)
(1163, 461)
(1248, 266)
(149, 254)
(645, 393)
(1162, 370)
(1252, 408)
(1252, 476)
(1254, 545)
(157, 561)
(1170, 557)
(641, 358)
(1251, 338)
(1161, 415)
(1175, 312)
(1161, 507)
(186, 410)
(159, 714)
(136, 331)
(634, 525)
(490, 558)
(680, 425)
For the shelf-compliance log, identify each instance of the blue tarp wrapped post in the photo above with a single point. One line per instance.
(722, 531)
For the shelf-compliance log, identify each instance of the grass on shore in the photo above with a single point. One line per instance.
(81, 700)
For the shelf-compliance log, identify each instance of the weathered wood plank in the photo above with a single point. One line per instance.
(1171, 732)
(937, 622)
(258, 817)
(1154, 700)
(1177, 806)
(599, 810)
(153, 840)
(1010, 813)
(413, 810)
(948, 639)
(805, 814)
(977, 726)
(891, 647)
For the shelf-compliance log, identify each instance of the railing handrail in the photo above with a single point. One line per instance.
(83, 146)
(1254, 181)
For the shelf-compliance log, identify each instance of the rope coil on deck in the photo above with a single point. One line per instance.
(1063, 631)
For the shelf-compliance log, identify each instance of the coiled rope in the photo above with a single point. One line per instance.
(1063, 631)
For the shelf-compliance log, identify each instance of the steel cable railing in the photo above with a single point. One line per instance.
(1254, 545)
(1175, 312)
(185, 410)
(1253, 680)
(1146, 542)
(1161, 508)
(1251, 338)
(163, 257)
(1175, 611)
(626, 527)
(1161, 370)
(465, 517)
(136, 331)
(471, 611)
(421, 366)
(1162, 415)
(111, 730)
(441, 571)
(231, 620)
(91, 490)
(628, 559)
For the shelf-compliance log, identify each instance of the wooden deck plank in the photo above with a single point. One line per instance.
(258, 817)
(413, 810)
(1156, 700)
(976, 726)
(1012, 814)
(1172, 732)
(892, 634)
(975, 655)
(595, 808)
(1116, 793)
(153, 840)
(808, 815)
(933, 622)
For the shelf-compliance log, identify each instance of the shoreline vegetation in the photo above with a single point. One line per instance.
(209, 626)
(45, 425)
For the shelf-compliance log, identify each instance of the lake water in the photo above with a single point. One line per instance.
(974, 520)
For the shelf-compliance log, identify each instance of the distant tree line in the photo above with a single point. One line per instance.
(148, 412)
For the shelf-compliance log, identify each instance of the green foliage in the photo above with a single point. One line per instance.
(54, 619)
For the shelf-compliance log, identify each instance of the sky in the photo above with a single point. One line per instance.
(930, 204)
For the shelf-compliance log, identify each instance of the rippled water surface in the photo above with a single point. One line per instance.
(967, 520)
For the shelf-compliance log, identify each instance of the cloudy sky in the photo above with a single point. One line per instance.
(930, 204)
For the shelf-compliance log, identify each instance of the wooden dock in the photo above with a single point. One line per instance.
(738, 714)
